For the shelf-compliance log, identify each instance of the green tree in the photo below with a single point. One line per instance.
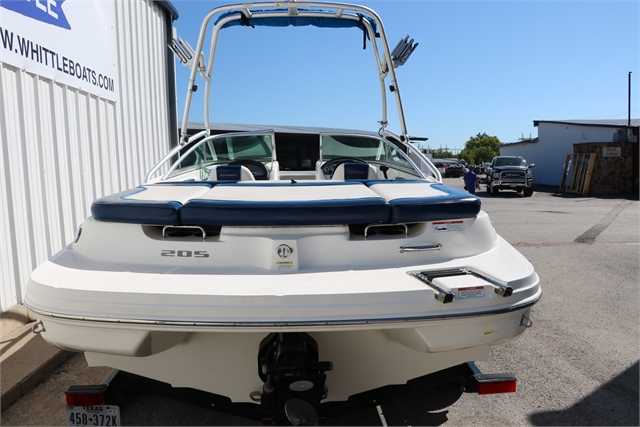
(467, 157)
(440, 153)
(480, 148)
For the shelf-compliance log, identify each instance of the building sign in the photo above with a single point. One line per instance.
(69, 41)
(611, 151)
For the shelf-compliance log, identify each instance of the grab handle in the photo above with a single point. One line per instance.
(423, 248)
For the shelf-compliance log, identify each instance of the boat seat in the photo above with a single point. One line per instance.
(231, 173)
(352, 171)
(420, 201)
(286, 203)
(153, 204)
(278, 203)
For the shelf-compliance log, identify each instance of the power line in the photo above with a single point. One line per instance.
(621, 114)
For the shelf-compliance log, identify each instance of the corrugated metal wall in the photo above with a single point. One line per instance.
(62, 147)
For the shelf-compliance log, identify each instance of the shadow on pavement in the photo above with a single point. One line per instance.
(615, 403)
(144, 401)
(425, 408)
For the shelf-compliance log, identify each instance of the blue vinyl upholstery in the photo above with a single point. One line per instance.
(119, 208)
(250, 213)
(453, 204)
(338, 211)
(426, 202)
(357, 171)
(228, 173)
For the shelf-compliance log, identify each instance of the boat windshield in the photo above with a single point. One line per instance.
(224, 149)
(368, 148)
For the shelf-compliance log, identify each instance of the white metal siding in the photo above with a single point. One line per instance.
(62, 147)
(555, 141)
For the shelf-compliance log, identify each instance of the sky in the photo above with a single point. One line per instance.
(480, 67)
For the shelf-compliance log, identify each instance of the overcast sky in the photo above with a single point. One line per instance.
(480, 66)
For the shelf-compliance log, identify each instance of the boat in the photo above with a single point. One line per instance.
(267, 264)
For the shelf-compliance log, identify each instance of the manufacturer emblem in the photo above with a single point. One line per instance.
(284, 251)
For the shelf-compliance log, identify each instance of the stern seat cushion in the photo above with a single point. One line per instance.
(420, 201)
(147, 204)
(272, 204)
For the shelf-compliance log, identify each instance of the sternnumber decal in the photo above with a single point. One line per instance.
(184, 254)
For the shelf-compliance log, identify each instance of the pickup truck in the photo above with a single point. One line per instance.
(509, 173)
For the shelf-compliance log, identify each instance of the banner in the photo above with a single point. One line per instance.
(69, 41)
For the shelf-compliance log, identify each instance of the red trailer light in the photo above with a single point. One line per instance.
(86, 395)
(495, 383)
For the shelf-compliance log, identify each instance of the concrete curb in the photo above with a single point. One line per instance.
(26, 357)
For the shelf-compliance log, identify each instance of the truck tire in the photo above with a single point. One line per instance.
(528, 192)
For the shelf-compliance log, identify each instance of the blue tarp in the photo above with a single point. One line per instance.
(296, 21)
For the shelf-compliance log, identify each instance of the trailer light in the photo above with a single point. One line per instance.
(495, 383)
(86, 395)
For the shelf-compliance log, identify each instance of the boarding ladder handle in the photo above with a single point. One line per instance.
(442, 295)
(499, 288)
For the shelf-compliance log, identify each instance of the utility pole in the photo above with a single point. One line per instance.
(629, 108)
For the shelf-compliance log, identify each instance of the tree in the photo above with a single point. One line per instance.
(440, 153)
(467, 157)
(480, 148)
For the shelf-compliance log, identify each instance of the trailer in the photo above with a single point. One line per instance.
(123, 395)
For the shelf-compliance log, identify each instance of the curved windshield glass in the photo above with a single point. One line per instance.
(224, 149)
(368, 148)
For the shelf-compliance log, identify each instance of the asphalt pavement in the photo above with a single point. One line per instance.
(577, 365)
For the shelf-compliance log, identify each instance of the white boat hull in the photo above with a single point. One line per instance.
(201, 327)
(226, 363)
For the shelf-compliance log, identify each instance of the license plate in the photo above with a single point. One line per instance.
(513, 185)
(98, 415)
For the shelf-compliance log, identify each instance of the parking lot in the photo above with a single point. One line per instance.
(577, 364)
